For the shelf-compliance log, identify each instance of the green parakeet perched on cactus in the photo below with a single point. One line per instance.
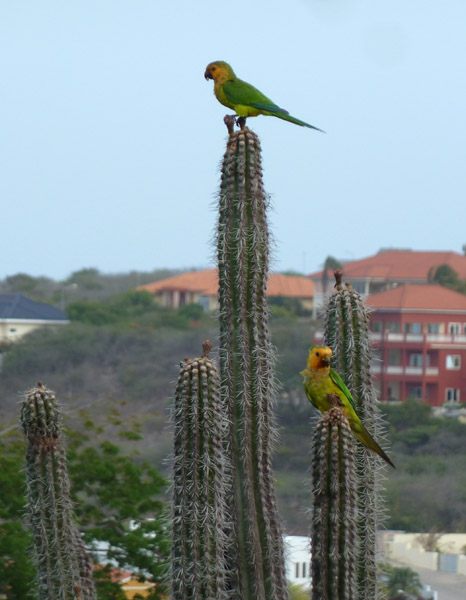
(320, 382)
(242, 97)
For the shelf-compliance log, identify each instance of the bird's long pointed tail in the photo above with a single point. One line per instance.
(287, 117)
(365, 437)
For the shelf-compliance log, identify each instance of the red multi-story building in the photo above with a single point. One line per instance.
(419, 335)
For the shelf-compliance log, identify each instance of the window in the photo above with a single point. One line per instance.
(454, 328)
(415, 360)
(296, 572)
(453, 361)
(304, 570)
(415, 391)
(359, 286)
(452, 395)
(392, 327)
(412, 328)
(377, 326)
(433, 327)
(394, 357)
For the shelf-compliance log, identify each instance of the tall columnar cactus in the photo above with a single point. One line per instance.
(64, 568)
(347, 333)
(334, 515)
(200, 476)
(247, 370)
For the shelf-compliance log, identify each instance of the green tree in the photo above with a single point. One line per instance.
(17, 571)
(397, 579)
(87, 279)
(117, 499)
(448, 277)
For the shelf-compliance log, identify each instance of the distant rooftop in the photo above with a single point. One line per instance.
(16, 306)
(206, 282)
(411, 296)
(401, 264)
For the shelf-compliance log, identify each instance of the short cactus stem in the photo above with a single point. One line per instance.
(347, 332)
(64, 567)
(247, 371)
(334, 512)
(200, 476)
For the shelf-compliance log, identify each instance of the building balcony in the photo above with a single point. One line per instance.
(431, 338)
(400, 370)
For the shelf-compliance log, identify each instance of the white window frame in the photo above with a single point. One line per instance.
(456, 326)
(455, 360)
(456, 392)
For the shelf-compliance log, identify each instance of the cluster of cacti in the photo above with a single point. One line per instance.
(334, 516)
(247, 364)
(64, 568)
(227, 541)
(347, 333)
(201, 471)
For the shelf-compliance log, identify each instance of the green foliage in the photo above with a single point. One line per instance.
(85, 278)
(298, 592)
(118, 500)
(17, 571)
(448, 277)
(395, 579)
(108, 486)
(290, 307)
(430, 456)
(135, 309)
(106, 588)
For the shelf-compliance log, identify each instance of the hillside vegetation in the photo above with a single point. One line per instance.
(125, 351)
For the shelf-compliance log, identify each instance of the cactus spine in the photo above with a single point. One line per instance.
(200, 476)
(64, 568)
(247, 369)
(334, 522)
(347, 333)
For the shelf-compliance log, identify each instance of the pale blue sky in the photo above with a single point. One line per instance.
(110, 138)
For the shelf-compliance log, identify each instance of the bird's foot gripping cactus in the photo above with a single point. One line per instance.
(247, 371)
(200, 477)
(334, 514)
(64, 568)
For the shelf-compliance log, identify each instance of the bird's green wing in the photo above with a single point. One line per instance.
(338, 381)
(309, 397)
(240, 92)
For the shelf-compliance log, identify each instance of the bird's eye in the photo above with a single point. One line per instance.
(317, 354)
(214, 69)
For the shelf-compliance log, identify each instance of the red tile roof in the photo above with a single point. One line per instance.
(116, 575)
(401, 264)
(421, 297)
(206, 282)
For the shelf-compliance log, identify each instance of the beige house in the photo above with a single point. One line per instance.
(202, 287)
(20, 315)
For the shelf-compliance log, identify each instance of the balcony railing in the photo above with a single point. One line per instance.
(399, 370)
(431, 338)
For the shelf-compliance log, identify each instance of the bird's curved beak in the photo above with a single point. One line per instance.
(207, 75)
(325, 362)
